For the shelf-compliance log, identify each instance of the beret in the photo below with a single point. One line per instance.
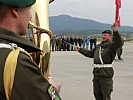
(18, 3)
(107, 31)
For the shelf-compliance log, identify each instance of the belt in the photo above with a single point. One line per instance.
(101, 65)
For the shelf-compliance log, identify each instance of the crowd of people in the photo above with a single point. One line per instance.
(67, 43)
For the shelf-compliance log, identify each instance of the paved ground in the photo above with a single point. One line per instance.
(75, 73)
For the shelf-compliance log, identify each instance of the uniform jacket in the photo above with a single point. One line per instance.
(108, 52)
(29, 83)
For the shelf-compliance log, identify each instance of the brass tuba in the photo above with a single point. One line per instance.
(42, 34)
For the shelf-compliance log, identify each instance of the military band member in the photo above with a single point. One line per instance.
(103, 56)
(28, 83)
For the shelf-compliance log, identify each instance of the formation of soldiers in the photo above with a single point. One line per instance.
(67, 43)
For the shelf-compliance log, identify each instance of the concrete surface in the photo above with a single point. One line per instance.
(75, 73)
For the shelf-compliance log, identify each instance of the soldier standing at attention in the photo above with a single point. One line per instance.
(120, 50)
(103, 56)
(28, 82)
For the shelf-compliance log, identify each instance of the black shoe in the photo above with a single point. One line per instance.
(120, 59)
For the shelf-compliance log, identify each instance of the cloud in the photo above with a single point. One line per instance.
(99, 10)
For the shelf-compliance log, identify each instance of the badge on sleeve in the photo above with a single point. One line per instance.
(53, 94)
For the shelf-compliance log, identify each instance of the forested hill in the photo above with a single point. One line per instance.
(67, 24)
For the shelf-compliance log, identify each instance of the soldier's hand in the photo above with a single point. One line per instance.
(114, 27)
(57, 86)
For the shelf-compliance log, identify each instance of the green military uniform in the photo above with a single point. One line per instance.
(119, 51)
(29, 82)
(102, 82)
(53, 43)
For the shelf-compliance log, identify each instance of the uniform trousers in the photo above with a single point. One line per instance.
(102, 87)
(119, 52)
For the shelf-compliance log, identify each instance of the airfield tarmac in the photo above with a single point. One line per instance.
(75, 72)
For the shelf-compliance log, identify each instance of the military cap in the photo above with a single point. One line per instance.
(18, 3)
(107, 31)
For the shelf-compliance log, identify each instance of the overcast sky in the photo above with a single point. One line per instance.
(99, 10)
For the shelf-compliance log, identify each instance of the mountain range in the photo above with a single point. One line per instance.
(65, 24)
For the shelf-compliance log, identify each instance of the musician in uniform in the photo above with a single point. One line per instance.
(29, 83)
(103, 56)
